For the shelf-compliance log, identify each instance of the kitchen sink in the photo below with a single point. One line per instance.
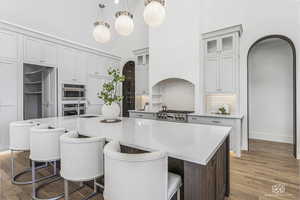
(89, 116)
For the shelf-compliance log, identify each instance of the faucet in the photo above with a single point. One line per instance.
(78, 107)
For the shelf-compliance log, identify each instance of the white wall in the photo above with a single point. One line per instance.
(259, 18)
(174, 46)
(73, 20)
(271, 91)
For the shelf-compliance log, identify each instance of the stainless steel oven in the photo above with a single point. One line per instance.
(70, 109)
(73, 92)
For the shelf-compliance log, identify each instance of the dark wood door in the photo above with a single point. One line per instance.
(128, 88)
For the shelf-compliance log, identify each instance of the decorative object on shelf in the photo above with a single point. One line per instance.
(124, 22)
(101, 31)
(111, 107)
(224, 110)
(155, 12)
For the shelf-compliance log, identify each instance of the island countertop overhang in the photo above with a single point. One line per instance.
(194, 143)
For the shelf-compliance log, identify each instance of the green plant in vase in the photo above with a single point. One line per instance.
(109, 94)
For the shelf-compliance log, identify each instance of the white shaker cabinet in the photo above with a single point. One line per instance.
(72, 65)
(40, 52)
(8, 99)
(221, 59)
(9, 46)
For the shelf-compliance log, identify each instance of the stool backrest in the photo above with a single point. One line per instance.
(81, 158)
(19, 135)
(135, 176)
(44, 143)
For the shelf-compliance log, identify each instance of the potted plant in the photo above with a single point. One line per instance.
(109, 94)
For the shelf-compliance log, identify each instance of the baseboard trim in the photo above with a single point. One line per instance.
(4, 147)
(274, 137)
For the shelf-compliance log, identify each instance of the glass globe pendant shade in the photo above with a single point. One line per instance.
(124, 24)
(101, 32)
(154, 13)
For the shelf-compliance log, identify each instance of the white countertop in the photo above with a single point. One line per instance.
(231, 116)
(142, 111)
(190, 142)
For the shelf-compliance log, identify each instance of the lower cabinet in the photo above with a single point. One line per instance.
(235, 123)
(142, 115)
(217, 175)
(7, 114)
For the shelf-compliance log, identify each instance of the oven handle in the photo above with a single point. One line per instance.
(74, 89)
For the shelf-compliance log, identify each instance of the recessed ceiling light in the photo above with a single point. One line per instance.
(117, 1)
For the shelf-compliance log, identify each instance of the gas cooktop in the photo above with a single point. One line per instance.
(173, 115)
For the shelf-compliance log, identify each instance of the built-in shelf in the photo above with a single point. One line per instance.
(33, 83)
(33, 72)
(32, 93)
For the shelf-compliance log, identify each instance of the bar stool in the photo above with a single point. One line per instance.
(138, 176)
(45, 147)
(19, 141)
(81, 160)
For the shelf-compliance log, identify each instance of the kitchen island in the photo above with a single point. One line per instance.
(199, 153)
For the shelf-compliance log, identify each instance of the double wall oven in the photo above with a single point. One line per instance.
(73, 99)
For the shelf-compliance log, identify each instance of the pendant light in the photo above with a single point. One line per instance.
(155, 12)
(101, 31)
(124, 22)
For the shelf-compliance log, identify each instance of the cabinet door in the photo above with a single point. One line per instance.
(68, 61)
(94, 87)
(32, 51)
(227, 73)
(7, 114)
(8, 99)
(211, 74)
(8, 77)
(227, 64)
(81, 67)
(49, 54)
(141, 79)
(9, 45)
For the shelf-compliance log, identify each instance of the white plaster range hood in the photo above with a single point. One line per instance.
(175, 93)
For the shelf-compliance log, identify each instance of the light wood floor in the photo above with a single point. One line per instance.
(252, 176)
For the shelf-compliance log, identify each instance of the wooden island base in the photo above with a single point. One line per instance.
(201, 182)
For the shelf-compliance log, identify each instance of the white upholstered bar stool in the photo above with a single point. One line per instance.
(138, 176)
(45, 147)
(19, 141)
(81, 160)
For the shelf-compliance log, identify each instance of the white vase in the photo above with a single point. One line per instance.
(111, 112)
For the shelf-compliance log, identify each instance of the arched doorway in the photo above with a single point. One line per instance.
(128, 88)
(254, 80)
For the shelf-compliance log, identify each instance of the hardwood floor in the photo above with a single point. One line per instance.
(252, 176)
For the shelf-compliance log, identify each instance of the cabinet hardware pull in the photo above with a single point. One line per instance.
(194, 118)
(216, 122)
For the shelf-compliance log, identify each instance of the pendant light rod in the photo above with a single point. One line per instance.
(162, 2)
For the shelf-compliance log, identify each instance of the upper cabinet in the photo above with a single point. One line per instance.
(142, 71)
(40, 52)
(9, 46)
(72, 65)
(221, 59)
